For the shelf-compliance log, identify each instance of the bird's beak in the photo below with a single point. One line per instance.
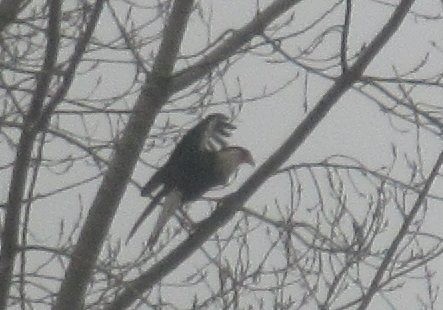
(249, 160)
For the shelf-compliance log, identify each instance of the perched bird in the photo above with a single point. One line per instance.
(215, 168)
(206, 135)
(185, 160)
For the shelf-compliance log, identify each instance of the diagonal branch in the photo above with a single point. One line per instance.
(69, 74)
(230, 46)
(345, 37)
(154, 94)
(230, 204)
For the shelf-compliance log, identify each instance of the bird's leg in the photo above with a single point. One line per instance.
(185, 221)
(215, 199)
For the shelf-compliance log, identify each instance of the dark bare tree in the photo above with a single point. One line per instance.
(95, 94)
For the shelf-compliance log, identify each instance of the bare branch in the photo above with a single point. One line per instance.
(186, 77)
(154, 95)
(68, 75)
(345, 36)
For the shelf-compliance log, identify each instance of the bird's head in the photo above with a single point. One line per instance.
(229, 159)
(243, 155)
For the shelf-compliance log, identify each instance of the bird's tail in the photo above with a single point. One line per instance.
(172, 202)
(153, 183)
(151, 206)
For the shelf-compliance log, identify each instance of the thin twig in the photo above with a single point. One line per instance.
(345, 36)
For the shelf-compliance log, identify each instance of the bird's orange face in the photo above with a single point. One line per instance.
(247, 158)
(239, 155)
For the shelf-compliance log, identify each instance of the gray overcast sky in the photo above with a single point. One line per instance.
(356, 126)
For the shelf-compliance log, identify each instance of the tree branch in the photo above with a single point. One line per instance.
(231, 45)
(24, 150)
(154, 94)
(345, 36)
(69, 73)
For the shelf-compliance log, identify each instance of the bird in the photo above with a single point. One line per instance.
(214, 169)
(207, 135)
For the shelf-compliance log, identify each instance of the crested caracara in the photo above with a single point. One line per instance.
(216, 168)
(186, 161)
(186, 155)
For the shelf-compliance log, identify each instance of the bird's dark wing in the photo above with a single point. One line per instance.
(214, 168)
(200, 176)
(215, 127)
